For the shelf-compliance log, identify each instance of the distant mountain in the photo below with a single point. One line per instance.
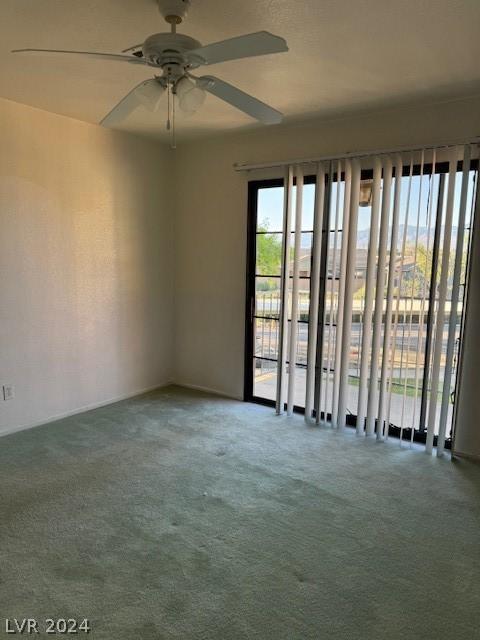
(364, 235)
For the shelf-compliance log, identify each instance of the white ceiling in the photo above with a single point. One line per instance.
(345, 55)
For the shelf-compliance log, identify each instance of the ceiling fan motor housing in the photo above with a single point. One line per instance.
(166, 50)
(174, 10)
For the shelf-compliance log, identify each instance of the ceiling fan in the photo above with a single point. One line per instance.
(175, 55)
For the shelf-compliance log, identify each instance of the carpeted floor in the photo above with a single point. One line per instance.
(177, 515)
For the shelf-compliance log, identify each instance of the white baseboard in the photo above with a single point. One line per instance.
(214, 392)
(466, 456)
(89, 407)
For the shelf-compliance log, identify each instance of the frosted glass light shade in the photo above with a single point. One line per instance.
(149, 95)
(190, 97)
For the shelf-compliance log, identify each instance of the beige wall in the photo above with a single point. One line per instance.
(85, 264)
(211, 209)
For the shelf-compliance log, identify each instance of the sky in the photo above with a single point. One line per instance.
(270, 203)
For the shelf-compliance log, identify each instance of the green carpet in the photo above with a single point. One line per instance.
(178, 515)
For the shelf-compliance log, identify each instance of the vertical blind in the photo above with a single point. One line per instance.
(387, 289)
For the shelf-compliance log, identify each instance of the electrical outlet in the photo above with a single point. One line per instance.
(8, 392)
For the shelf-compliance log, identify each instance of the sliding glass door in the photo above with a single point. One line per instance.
(264, 281)
(415, 290)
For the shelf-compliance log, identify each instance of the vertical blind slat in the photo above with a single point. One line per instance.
(412, 296)
(297, 243)
(442, 293)
(283, 310)
(399, 280)
(452, 328)
(341, 289)
(379, 294)
(330, 353)
(348, 297)
(314, 289)
(369, 291)
(321, 298)
(424, 288)
(387, 337)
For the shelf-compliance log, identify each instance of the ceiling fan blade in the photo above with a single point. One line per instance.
(148, 93)
(241, 100)
(132, 48)
(93, 54)
(253, 44)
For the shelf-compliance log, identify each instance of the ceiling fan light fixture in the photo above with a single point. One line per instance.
(183, 86)
(190, 97)
(149, 94)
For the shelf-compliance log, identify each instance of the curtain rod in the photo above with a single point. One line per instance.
(245, 166)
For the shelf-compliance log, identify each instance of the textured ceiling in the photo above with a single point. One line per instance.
(345, 55)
